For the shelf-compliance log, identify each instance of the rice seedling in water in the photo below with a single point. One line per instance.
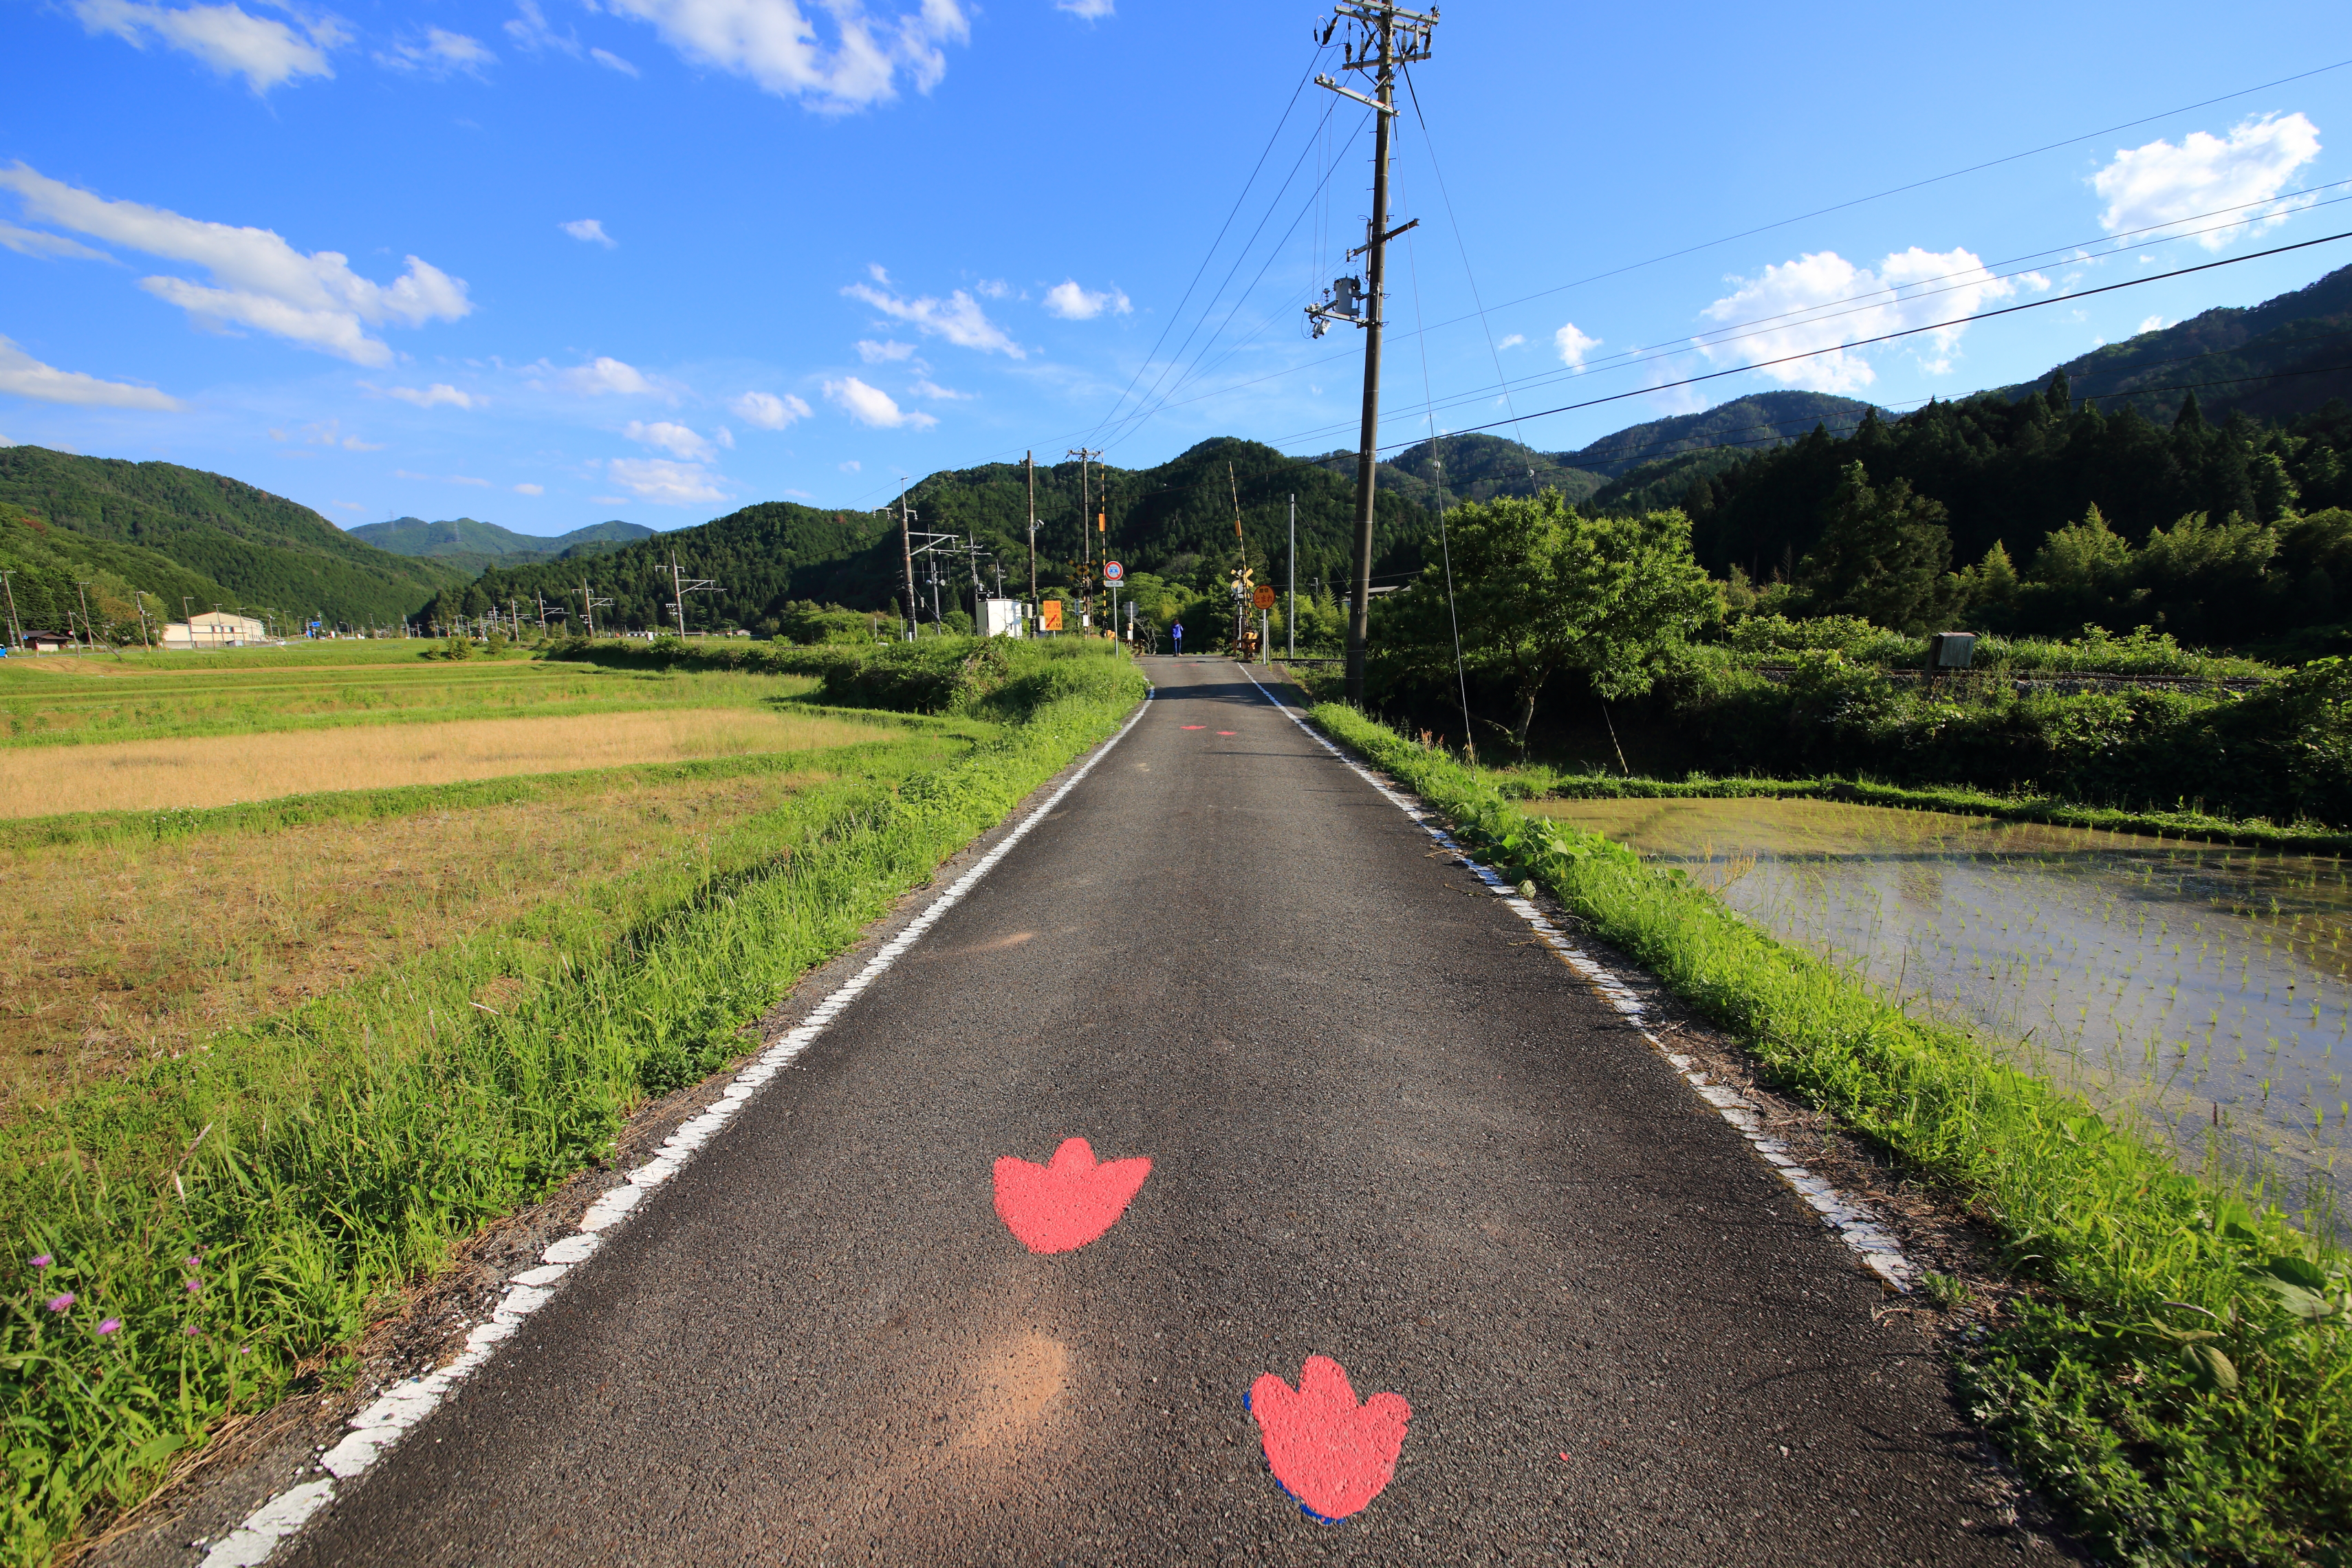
(2198, 991)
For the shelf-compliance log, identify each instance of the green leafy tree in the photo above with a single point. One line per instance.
(1884, 554)
(1540, 590)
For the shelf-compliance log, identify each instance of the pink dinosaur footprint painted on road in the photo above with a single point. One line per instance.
(1330, 1453)
(1062, 1206)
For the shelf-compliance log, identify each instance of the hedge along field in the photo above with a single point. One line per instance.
(197, 1235)
(2176, 1380)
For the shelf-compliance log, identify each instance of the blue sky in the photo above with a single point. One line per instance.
(546, 262)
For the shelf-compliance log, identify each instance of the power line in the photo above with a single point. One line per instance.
(1913, 331)
(1210, 254)
(1914, 186)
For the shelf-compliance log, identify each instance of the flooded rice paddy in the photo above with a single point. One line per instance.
(2196, 990)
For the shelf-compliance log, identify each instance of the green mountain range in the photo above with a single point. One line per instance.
(472, 545)
(2285, 356)
(260, 552)
(1174, 520)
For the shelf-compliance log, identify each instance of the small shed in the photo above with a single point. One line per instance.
(46, 642)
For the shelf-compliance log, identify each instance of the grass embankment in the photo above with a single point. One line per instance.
(199, 1234)
(1530, 782)
(91, 699)
(2178, 1380)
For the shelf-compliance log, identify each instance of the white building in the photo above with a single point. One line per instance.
(216, 628)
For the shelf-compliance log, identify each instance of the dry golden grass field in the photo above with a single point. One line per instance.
(111, 954)
(220, 770)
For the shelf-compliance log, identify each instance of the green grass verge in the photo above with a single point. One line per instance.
(2180, 1381)
(195, 1239)
(2055, 810)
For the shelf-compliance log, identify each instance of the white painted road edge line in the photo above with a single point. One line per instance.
(1854, 1224)
(379, 1427)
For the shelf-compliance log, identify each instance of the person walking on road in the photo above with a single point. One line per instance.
(1177, 631)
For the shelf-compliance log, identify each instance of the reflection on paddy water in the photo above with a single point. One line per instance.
(2185, 987)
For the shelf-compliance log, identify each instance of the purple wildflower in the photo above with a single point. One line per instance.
(194, 1262)
(194, 1286)
(43, 1261)
(191, 1331)
(108, 1326)
(60, 1303)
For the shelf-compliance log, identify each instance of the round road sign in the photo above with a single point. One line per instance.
(1113, 573)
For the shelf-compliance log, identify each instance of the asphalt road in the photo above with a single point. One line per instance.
(1383, 1127)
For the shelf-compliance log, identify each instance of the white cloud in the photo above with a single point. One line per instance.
(442, 54)
(590, 231)
(1072, 303)
(958, 318)
(22, 376)
(33, 242)
(665, 483)
(1512, 342)
(1820, 302)
(531, 490)
(2161, 184)
(225, 37)
(329, 433)
(768, 411)
(257, 279)
(1090, 10)
(775, 44)
(925, 387)
(2152, 324)
(676, 439)
(605, 374)
(1573, 345)
(530, 30)
(852, 467)
(438, 393)
(873, 353)
(872, 405)
(993, 288)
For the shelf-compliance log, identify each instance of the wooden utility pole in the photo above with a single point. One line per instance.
(587, 606)
(16, 633)
(1029, 467)
(907, 548)
(88, 642)
(1383, 36)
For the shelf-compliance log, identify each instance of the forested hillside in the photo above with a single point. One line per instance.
(764, 558)
(47, 566)
(1174, 521)
(471, 545)
(1744, 424)
(267, 552)
(2273, 360)
(1456, 469)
